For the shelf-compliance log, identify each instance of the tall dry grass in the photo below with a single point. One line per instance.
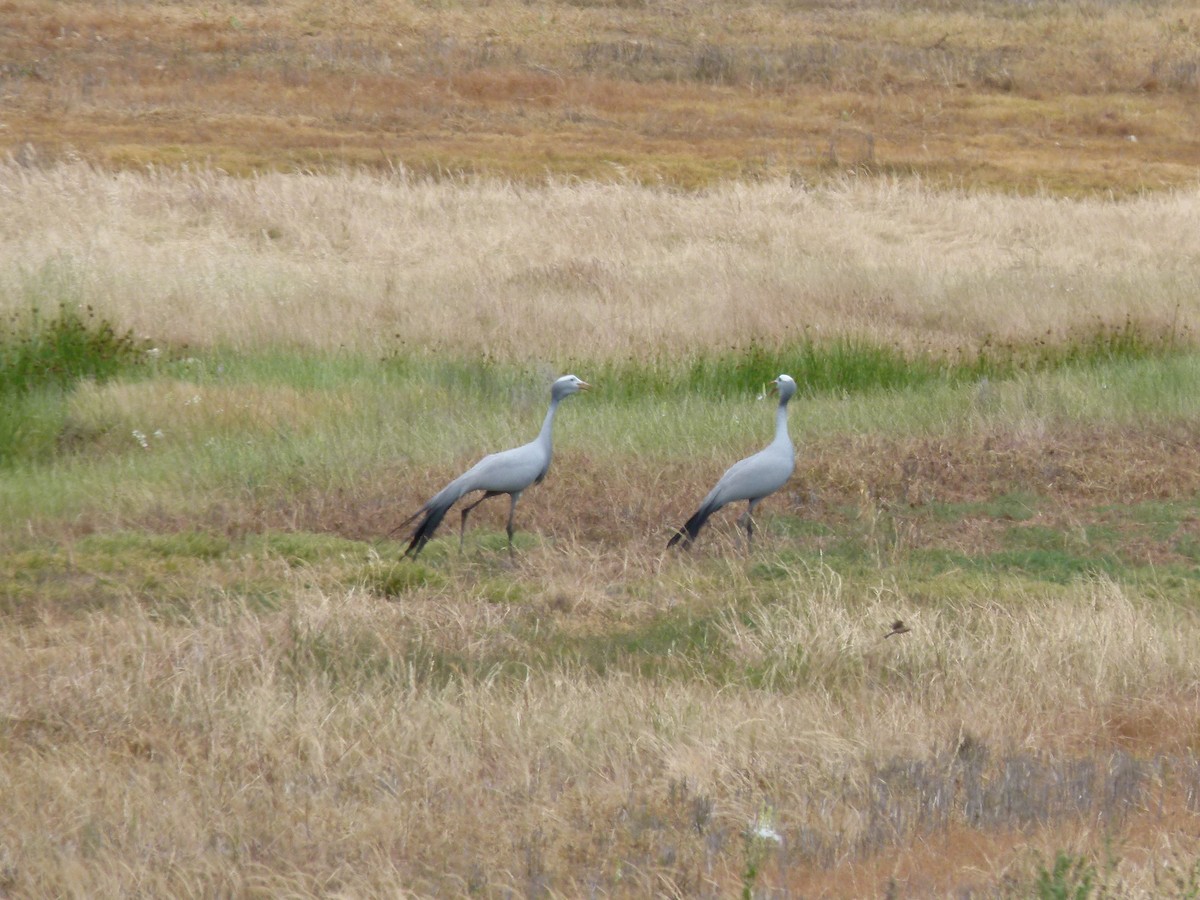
(323, 748)
(584, 271)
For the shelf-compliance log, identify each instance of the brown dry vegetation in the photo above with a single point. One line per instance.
(1080, 97)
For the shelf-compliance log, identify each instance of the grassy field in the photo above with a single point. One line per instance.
(220, 677)
(1091, 97)
(272, 274)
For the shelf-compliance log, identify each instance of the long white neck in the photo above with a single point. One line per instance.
(543, 437)
(781, 429)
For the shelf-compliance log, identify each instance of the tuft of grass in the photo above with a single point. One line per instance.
(1069, 878)
(42, 357)
(39, 351)
(392, 580)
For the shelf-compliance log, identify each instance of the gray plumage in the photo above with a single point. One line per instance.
(752, 478)
(507, 472)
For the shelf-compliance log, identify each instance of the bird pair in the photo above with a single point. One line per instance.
(512, 471)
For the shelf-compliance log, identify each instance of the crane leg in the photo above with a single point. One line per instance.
(747, 520)
(512, 514)
(462, 531)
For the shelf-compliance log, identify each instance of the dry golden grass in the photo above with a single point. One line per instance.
(216, 692)
(301, 750)
(386, 263)
(1071, 97)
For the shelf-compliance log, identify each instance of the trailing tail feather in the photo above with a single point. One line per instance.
(431, 515)
(425, 529)
(692, 527)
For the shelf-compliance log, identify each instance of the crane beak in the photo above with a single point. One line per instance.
(775, 386)
(584, 386)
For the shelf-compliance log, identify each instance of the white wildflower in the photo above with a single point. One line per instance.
(763, 827)
(764, 831)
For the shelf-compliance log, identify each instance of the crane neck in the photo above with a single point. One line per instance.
(781, 428)
(548, 423)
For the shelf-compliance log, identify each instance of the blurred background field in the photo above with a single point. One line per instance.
(1074, 98)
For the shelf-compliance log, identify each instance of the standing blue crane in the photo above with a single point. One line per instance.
(507, 472)
(752, 478)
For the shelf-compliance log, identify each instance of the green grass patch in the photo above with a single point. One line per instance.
(674, 645)
(486, 377)
(300, 548)
(503, 589)
(849, 365)
(44, 579)
(496, 542)
(786, 525)
(1017, 506)
(840, 365)
(1036, 537)
(171, 574)
(302, 370)
(1058, 566)
(1161, 520)
(1188, 547)
(395, 579)
(350, 400)
(160, 545)
(1054, 565)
